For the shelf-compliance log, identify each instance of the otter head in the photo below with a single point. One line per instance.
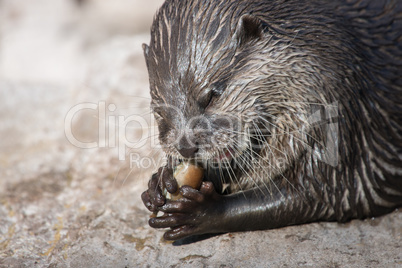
(224, 86)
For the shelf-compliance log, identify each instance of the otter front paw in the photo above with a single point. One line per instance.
(154, 197)
(197, 212)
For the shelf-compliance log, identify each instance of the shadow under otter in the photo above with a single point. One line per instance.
(294, 108)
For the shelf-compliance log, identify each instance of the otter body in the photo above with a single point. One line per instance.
(294, 109)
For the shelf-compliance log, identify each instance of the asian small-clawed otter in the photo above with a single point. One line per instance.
(293, 108)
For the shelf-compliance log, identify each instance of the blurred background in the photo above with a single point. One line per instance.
(55, 54)
(62, 167)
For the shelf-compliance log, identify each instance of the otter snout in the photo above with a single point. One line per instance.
(201, 134)
(188, 149)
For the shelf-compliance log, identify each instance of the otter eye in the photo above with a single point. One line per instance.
(205, 100)
(216, 91)
(218, 88)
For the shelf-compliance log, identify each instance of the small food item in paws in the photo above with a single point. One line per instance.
(187, 173)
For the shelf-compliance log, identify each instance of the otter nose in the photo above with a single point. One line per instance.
(188, 152)
(186, 149)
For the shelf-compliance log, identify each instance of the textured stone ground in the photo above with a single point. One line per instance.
(62, 64)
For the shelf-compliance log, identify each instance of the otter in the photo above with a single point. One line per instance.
(293, 108)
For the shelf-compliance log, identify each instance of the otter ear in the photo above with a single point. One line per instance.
(249, 28)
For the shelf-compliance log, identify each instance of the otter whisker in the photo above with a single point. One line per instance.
(243, 159)
(305, 143)
(266, 161)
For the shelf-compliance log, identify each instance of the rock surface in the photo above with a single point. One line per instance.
(73, 101)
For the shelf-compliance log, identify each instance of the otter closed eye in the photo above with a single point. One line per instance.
(292, 108)
(205, 100)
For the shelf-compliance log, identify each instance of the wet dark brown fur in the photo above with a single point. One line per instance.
(303, 97)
